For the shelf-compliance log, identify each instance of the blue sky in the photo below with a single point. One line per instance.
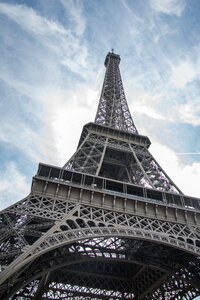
(51, 57)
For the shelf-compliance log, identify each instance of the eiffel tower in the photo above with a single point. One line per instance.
(109, 224)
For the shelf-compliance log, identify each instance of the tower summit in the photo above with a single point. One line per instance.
(113, 110)
(109, 224)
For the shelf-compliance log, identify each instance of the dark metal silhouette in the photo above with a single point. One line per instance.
(110, 224)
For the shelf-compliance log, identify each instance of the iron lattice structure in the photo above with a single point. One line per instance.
(110, 224)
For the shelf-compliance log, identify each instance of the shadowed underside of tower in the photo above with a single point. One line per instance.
(109, 224)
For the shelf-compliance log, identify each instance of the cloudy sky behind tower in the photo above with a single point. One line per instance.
(51, 73)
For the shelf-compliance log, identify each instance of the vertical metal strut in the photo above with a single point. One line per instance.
(109, 224)
(113, 110)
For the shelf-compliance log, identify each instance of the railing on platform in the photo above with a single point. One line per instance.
(118, 187)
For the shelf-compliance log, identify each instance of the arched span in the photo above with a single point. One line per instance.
(66, 237)
(112, 250)
(69, 262)
(57, 239)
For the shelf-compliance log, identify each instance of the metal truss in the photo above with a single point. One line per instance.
(113, 110)
(119, 159)
(82, 243)
(108, 225)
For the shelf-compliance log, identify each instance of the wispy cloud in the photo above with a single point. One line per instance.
(151, 105)
(183, 74)
(188, 113)
(38, 84)
(188, 153)
(27, 18)
(76, 13)
(180, 173)
(66, 119)
(13, 185)
(185, 71)
(147, 104)
(170, 7)
(70, 51)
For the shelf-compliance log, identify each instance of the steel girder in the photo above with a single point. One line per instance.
(109, 157)
(75, 240)
(113, 110)
(79, 237)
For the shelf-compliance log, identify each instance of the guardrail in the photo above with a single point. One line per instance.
(117, 187)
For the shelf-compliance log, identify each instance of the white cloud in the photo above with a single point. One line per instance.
(188, 113)
(30, 90)
(185, 176)
(75, 9)
(170, 7)
(185, 72)
(186, 69)
(150, 105)
(27, 18)
(65, 119)
(13, 185)
(70, 51)
(41, 84)
(22, 137)
(145, 103)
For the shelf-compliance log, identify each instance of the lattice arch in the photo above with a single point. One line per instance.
(110, 224)
(70, 236)
(93, 253)
(75, 222)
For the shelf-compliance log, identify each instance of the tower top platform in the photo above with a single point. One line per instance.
(111, 55)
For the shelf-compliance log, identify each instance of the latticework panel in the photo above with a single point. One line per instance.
(113, 110)
(25, 222)
(120, 160)
(88, 156)
(122, 232)
(109, 268)
(84, 251)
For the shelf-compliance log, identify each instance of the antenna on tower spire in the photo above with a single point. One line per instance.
(113, 110)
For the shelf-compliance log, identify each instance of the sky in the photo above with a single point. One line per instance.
(51, 73)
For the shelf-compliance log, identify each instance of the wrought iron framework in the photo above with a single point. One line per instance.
(113, 110)
(109, 224)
